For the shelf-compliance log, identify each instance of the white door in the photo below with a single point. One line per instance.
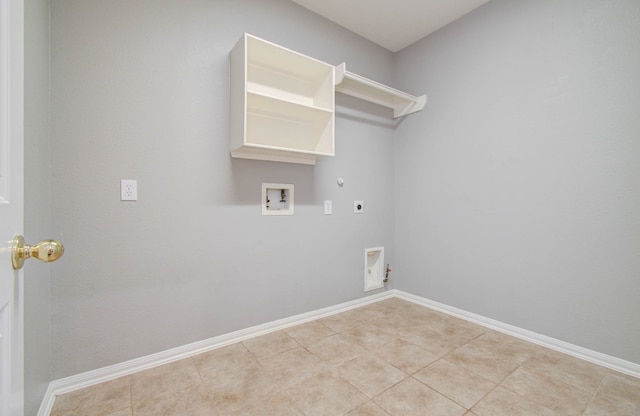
(11, 205)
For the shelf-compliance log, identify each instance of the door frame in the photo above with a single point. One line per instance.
(12, 190)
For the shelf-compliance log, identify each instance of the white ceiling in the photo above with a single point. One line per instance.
(392, 24)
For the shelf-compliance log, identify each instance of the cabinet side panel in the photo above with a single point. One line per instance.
(238, 94)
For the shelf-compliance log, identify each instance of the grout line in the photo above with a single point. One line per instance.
(196, 367)
(595, 392)
(496, 385)
(130, 394)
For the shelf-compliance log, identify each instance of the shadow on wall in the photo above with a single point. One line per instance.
(355, 109)
(247, 177)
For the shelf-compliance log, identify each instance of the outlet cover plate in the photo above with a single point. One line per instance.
(128, 190)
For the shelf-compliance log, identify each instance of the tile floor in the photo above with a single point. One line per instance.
(388, 358)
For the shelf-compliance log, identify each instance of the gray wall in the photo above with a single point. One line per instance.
(140, 90)
(517, 188)
(37, 207)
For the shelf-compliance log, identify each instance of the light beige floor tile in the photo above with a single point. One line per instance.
(600, 406)
(277, 404)
(422, 315)
(406, 356)
(400, 330)
(99, 400)
(393, 326)
(434, 319)
(372, 348)
(569, 369)
(548, 391)
(192, 401)
(164, 379)
(377, 310)
(293, 366)
(326, 394)
(479, 360)
(502, 402)
(412, 324)
(455, 382)
(410, 397)
(621, 388)
(219, 362)
(445, 332)
(340, 322)
(369, 336)
(370, 374)
(509, 348)
(436, 342)
(367, 313)
(336, 350)
(309, 333)
(398, 317)
(125, 412)
(270, 344)
(393, 304)
(368, 409)
(247, 383)
(457, 327)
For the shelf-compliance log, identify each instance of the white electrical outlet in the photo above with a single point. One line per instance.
(358, 207)
(128, 190)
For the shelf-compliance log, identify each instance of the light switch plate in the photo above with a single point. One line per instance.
(328, 208)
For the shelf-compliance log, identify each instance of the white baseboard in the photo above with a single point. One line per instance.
(112, 372)
(608, 361)
(47, 401)
(79, 381)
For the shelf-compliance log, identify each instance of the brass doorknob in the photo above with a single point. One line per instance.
(46, 251)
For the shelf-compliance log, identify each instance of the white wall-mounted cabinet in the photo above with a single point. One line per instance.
(282, 104)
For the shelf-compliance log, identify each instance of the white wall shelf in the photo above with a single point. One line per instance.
(282, 104)
(372, 91)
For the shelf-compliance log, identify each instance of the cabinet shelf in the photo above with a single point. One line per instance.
(372, 91)
(282, 104)
(284, 125)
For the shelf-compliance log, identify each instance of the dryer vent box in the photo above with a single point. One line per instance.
(373, 268)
